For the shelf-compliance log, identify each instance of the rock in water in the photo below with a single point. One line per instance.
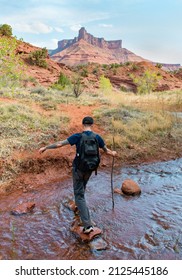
(78, 230)
(118, 191)
(129, 187)
(70, 204)
(98, 244)
(23, 208)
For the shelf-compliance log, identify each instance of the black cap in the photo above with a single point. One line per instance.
(88, 120)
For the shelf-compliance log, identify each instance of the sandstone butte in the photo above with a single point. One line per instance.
(86, 48)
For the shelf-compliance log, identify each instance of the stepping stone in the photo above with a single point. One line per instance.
(98, 244)
(70, 204)
(85, 236)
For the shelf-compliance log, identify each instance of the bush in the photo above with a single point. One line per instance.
(134, 67)
(6, 30)
(11, 66)
(159, 65)
(77, 86)
(147, 82)
(39, 57)
(105, 84)
(84, 73)
(62, 82)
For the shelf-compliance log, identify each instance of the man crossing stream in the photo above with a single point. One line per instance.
(86, 161)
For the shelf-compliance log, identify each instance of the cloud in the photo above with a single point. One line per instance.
(51, 44)
(75, 27)
(105, 25)
(35, 28)
(58, 29)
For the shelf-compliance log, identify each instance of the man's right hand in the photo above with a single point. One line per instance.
(114, 153)
(41, 150)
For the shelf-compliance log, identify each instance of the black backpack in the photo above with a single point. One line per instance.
(88, 157)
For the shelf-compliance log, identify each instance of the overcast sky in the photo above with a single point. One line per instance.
(149, 28)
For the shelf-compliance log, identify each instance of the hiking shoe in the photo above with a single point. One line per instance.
(88, 229)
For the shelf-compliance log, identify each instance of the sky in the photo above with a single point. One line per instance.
(149, 28)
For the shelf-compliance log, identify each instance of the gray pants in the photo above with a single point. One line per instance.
(79, 185)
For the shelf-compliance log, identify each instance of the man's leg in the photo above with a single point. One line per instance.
(79, 186)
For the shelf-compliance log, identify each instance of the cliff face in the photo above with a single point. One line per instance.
(86, 48)
(97, 42)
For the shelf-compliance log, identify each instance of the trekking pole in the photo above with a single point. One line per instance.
(112, 170)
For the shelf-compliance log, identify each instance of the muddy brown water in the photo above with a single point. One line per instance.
(145, 227)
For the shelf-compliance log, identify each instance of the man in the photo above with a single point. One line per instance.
(80, 177)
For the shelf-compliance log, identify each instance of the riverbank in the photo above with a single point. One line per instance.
(31, 120)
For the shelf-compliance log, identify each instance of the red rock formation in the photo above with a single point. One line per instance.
(98, 42)
(129, 187)
(90, 39)
(82, 52)
(86, 48)
(71, 51)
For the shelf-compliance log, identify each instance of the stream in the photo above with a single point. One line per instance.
(144, 227)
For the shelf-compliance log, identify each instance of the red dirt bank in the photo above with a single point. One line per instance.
(55, 165)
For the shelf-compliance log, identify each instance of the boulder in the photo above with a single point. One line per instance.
(129, 187)
(98, 244)
(23, 208)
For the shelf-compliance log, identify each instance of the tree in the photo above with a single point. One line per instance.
(77, 86)
(11, 66)
(105, 84)
(6, 30)
(147, 82)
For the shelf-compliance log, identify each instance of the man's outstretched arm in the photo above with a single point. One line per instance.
(54, 146)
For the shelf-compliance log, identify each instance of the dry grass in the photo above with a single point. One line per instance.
(156, 101)
(160, 101)
(137, 119)
(22, 127)
(130, 125)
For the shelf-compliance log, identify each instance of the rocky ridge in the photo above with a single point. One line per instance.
(81, 52)
(86, 48)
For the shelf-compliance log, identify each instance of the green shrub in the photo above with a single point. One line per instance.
(134, 67)
(39, 57)
(105, 84)
(84, 73)
(11, 66)
(95, 71)
(62, 82)
(6, 30)
(159, 65)
(147, 82)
